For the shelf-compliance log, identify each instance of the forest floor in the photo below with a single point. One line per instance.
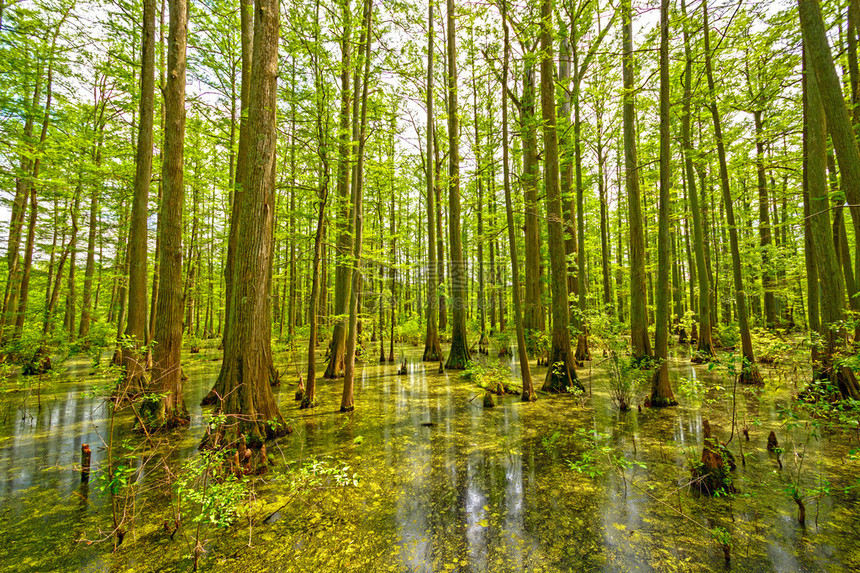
(422, 477)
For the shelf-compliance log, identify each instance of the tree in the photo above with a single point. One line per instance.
(561, 375)
(246, 10)
(165, 407)
(432, 348)
(661, 389)
(347, 403)
(137, 324)
(749, 372)
(839, 122)
(827, 368)
(528, 393)
(344, 240)
(458, 355)
(638, 297)
(248, 401)
(704, 349)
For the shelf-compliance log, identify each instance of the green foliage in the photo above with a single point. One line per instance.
(412, 331)
(122, 473)
(721, 536)
(538, 342)
(597, 456)
(625, 375)
(769, 345)
(491, 375)
(728, 335)
(208, 491)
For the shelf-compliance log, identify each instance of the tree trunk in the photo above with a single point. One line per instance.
(638, 296)
(249, 404)
(534, 320)
(767, 278)
(661, 389)
(705, 346)
(826, 368)
(19, 210)
(561, 376)
(71, 294)
(432, 348)
(749, 369)
(344, 240)
(528, 393)
(458, 355)
(166, 408)
(347, 403)
(246, 11)
(137, 323)
(89, 271)
(839, 122)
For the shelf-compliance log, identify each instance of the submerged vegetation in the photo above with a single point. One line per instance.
(422, 476)
(429, 286)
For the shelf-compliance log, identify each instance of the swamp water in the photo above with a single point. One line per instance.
(563, 484)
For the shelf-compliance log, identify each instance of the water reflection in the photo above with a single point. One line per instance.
(449, 485)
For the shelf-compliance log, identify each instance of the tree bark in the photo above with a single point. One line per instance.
(561, 376)
(347, 403)
(827, 367)
(749, 370)
(432, 348)
(528, 393)
(661, 389)
(137, 322)
(249, 405)
(705, 346)
(166, 407)
(344, 241)
(459, 355)
(638, 296)
(839, 122)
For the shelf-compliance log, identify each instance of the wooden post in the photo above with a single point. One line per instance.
(86, 458)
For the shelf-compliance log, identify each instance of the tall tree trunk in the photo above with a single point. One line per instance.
(309, 397)
(347, 403)
(528, 393)
(458, 355)
(566, 168)
(704, 348)
(479, 183)
(166, 408)
(71, 294)
(602, 185)
(246, 11)
(768, 280)
(661, 389)
(826, 368)
(156, 255)
(839, 122)
(582, 352)
(638, 296)
(432, 348)
(310, 394)
(249, 403)
(344, 240)
(89, 271)
(19, 210)
(534, 320)
(440, 240)
(28, 263)
(291, 314)
(137, 322)
(561, 375)
(749, 370)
